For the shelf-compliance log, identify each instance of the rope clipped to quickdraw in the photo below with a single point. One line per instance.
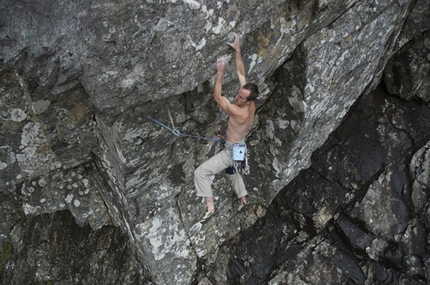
(172, 148)
(178, 134)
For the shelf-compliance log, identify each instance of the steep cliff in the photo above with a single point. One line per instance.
(79, 82)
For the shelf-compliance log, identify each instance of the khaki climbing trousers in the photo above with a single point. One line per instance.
(217, 163)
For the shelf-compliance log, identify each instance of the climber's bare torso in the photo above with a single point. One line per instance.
(241, 114)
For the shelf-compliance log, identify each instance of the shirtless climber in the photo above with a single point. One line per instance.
(241, 115)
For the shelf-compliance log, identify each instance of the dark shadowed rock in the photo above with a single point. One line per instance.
(373, 232)
(52, 248)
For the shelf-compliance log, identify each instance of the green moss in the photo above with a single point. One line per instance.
(6, 253)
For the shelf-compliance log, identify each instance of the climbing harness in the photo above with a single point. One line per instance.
(238, 151)
(240, 159)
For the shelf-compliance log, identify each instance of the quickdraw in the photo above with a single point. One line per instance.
(177, 133)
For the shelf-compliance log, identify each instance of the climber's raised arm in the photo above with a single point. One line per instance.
(222, 101)
(240, 69)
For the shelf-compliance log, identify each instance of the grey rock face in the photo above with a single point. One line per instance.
(79, 80)
(376, 228)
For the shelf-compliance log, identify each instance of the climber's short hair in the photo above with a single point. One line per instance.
(253, 91)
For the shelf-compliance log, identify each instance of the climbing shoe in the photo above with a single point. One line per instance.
(241, 207)
(207, 216)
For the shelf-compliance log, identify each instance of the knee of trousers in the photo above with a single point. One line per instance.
(200, 177)
(203, 171)
(202, 184)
